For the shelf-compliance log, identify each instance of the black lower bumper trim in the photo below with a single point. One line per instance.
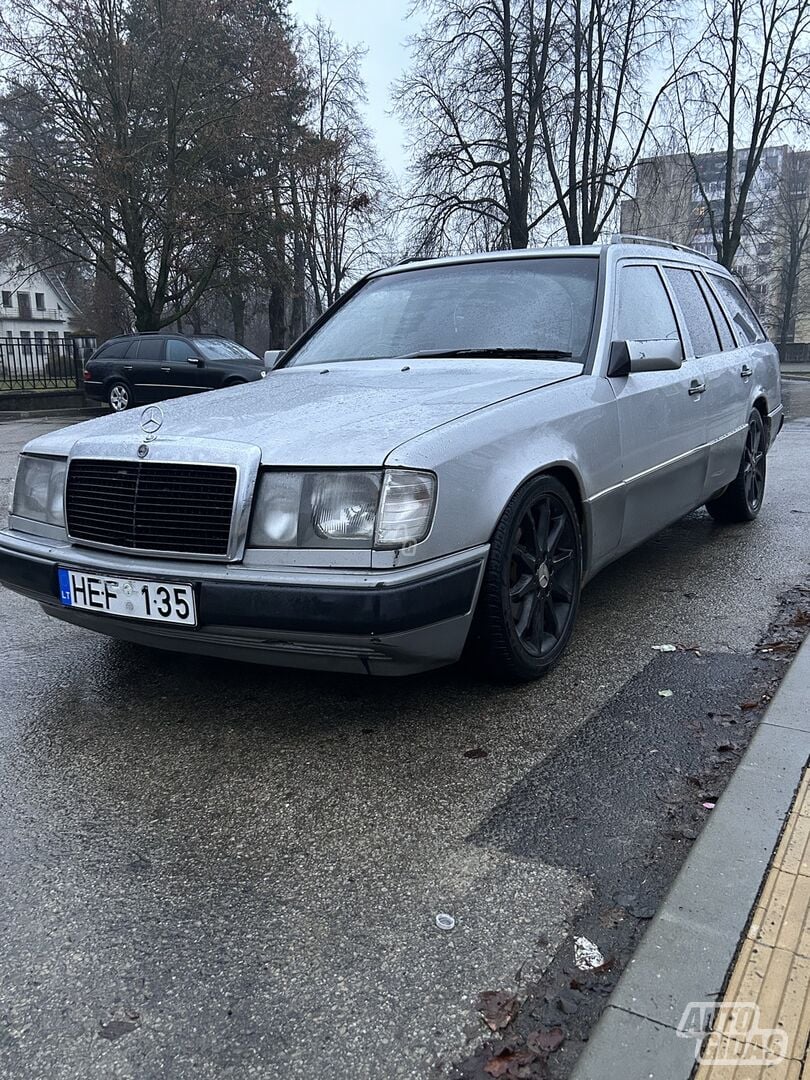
(30, 575)
(319, 609)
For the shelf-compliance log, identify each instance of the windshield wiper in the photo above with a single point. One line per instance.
(516, 353)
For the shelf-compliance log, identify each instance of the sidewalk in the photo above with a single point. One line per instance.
(772, 972)
(719, 988)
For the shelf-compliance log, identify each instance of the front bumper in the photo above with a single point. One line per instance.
(378, 622)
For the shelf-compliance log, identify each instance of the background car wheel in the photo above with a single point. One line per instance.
(530, 593)
(742, 499)
(234, 382)
(120, 396)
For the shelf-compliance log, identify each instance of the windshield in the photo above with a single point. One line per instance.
(223, 349)
(510, 307)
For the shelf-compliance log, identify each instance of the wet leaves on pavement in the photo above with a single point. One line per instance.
(116, 1028)
(498, 1008)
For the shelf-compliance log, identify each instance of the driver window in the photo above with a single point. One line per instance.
(178, 351)
(643, 312)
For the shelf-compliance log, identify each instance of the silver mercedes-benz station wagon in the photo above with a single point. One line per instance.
(443, 459)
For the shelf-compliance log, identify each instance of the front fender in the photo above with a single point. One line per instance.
(482, 459)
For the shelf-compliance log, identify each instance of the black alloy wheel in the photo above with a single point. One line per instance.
(532, 583)
(742, 499)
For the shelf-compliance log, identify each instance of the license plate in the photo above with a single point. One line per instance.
(157, 601)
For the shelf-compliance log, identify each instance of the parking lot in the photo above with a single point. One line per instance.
(217, 870)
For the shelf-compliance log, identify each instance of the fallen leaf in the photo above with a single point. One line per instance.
(664, 648)
(546, 1042)
(801, 618)
(116, 1028)
(502, 1063)
(612, 917)
(750, 704)
(475, 752)
(498, 1008)
(665, 693)
(708, 805)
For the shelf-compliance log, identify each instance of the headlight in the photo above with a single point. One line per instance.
(350, 509)
(39, 489)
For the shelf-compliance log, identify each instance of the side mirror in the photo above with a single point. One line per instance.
(272, 358)
(633, 357)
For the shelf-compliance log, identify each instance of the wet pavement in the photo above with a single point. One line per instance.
(216, 870)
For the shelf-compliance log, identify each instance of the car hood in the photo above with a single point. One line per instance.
(352, 413)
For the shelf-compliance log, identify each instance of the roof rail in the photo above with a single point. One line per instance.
(629, 238)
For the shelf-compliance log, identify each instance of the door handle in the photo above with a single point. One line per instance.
(165, 369)
(746, 372)
(127, 367)
(696, 387)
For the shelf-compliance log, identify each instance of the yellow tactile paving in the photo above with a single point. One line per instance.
(778, 981)
(727, 1059)
(803, 798)
(762, 1028)
(782, 915)
(793, 852)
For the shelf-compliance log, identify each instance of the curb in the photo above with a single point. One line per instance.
(691, 943)
(48, 414)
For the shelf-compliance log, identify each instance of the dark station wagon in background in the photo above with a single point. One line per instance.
(139, 368)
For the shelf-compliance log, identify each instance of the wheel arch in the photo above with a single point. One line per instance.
(760, 403)
(568, 475)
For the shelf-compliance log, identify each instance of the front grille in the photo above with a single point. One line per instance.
(151, 505)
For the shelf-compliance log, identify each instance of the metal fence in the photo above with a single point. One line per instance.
(39, 363)
(795, 353)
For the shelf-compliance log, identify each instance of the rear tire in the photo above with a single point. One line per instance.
(530, 592)
(742, 499)
(120, 396)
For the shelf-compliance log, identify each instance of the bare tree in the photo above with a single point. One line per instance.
(343, 192)
(598, 111)
(748, 85)
(472, 101)
(529, 111)
(117, 116)
(790, 240)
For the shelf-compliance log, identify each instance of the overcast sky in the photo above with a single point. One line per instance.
(382, 26)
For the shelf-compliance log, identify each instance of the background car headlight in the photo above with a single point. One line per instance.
(351, 508)
(39, 489)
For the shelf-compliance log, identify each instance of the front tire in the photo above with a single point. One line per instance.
(530, 592)
(742, 499)
(120, 396)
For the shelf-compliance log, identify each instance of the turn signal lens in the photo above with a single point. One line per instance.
(406, 507)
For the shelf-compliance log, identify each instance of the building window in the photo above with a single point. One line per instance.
(39, 300)
(7, 302)
(25, 341)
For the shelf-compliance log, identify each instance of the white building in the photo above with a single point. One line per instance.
(35, 307)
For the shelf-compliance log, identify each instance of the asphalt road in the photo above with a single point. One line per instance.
(239, 868)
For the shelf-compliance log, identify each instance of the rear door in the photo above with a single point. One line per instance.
(709, 338)
(661, 416)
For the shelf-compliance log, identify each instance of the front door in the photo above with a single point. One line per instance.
(662, 419)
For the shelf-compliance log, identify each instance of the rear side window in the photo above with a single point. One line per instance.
(644, 312)
(742, 317)
(696, 314)
(112, 348)
(150, 348)
(721, 322)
